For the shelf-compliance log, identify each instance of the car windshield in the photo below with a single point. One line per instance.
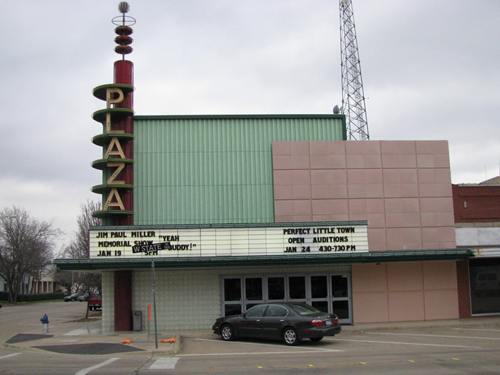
(303, 309)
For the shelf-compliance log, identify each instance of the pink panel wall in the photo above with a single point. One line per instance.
(404, 291)
(403, 189)
(370, 295)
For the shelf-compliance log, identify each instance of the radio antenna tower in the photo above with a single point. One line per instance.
(353, 96)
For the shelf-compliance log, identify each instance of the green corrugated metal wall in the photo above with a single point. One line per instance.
(214, 169)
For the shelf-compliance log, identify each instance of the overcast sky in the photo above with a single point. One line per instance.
(431, 70)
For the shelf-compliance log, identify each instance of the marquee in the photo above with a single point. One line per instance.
(224, 241)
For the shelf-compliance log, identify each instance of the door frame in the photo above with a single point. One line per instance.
(308, 295)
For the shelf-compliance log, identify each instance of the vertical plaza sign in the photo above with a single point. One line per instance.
(324, 238)
(117, 138)
(114, 139)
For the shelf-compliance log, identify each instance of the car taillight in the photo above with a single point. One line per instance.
(317, 323)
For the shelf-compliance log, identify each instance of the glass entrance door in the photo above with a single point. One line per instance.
(328, 292)
(319, 292)
(341, 297)
(331, 294)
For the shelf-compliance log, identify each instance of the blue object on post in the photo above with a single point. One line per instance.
(45, 323)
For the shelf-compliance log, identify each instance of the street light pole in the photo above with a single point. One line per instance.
(153, 290)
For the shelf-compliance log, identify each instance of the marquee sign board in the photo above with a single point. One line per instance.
(210, 242)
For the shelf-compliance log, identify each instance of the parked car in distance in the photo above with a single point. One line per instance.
(290, 322)
(83, 297)
(94, 302)
(71, 297)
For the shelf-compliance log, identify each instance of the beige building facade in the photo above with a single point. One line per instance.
(401, 189)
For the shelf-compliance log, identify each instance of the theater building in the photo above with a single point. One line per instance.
(234, 210)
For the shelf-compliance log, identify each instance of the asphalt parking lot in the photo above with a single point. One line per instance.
(449, 347)
(449, 350)
(440, 350)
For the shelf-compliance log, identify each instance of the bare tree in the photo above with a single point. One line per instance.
(64, 279)
(25, 247)
(80, 248)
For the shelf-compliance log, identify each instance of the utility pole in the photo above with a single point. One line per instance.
(353, 96)
(153, 292)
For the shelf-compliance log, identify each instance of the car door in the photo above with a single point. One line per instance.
(274, 320)
(251, 322)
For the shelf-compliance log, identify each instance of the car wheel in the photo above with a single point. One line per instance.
(290, 336)
(227, 332)
(316, 339)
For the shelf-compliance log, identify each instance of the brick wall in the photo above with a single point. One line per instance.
(476, 203)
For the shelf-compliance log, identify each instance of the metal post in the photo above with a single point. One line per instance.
(153, 289)
(149, 320)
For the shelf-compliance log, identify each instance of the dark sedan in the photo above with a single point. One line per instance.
(290, 322)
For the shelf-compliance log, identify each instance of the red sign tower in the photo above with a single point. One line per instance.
(117, 138)
(117, 162)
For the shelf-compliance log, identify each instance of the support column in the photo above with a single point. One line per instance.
(123, 300)
(463, 283)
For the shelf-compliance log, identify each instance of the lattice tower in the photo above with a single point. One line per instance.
(353, 97)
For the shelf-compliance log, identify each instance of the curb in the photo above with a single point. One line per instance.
(467, 322)
(175, 349)
(178, 344)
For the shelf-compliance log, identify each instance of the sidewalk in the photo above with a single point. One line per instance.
(476, 322)
(88, 339)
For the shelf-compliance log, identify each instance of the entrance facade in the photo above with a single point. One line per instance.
(485, 286)
(328, 292)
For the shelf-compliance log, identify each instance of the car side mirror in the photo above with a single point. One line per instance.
(244, 315)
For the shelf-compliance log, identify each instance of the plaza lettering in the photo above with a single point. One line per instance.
(114, 155)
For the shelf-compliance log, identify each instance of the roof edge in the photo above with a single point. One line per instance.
(236, 116)
(291, 224)
(248, 261)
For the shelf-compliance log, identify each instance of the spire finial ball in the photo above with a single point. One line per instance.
(123, 7)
